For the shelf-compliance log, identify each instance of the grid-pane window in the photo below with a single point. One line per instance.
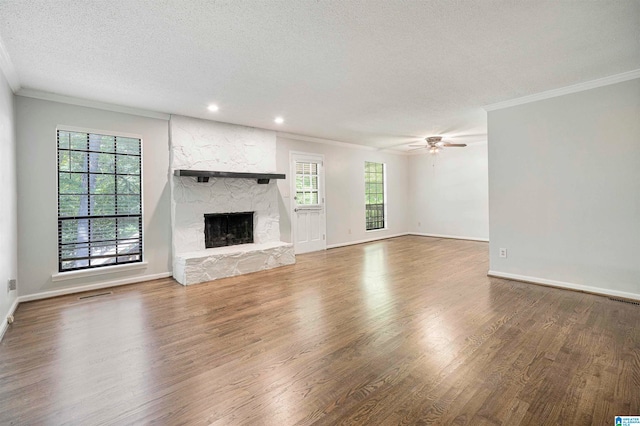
(99, 200)
(307, 183)
(374, 195)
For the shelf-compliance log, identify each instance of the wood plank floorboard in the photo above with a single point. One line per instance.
(404, 331)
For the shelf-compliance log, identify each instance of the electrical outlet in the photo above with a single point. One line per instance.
(349, 231)
(419, 224)
(12, 285)
(503, 253)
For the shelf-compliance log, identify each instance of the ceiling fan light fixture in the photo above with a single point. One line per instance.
(435, 144)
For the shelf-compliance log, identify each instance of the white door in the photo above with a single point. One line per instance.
(308, 222)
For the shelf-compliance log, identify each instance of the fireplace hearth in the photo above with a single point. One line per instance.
(228, 229)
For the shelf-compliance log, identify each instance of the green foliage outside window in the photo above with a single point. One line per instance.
(99, 200)
(307, 183)
(374, 195)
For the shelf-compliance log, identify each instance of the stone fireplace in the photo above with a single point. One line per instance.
(201, 208)
(228, 229)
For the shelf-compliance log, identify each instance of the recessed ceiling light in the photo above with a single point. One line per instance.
(213, 108)
(279, 120)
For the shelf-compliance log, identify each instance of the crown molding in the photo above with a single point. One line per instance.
(394, 151)
(7, 68)
(313, 139)
(47, 96)
(324, 141)
(612, 79)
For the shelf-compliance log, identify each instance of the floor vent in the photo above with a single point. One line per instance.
(631, 302)
(90, 296)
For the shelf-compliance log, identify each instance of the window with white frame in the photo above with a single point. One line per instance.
(307, 183)
(374, 195)
(99, 200)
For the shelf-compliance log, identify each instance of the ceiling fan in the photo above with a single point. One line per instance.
(435, 143)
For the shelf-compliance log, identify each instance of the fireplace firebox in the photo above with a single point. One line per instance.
(228, 229)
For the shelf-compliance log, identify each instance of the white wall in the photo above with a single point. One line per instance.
(36, 122)
(8, 203)
(449, 193)
(344, 180)
(564, 189)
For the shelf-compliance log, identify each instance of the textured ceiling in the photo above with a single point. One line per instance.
(374, 72)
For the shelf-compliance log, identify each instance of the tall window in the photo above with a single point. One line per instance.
(374, 195)
(99, 200)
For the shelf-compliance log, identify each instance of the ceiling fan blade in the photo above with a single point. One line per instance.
(416, 149)
(419, 144)
(454, 145)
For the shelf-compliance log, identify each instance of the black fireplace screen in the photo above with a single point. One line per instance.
(228, 229)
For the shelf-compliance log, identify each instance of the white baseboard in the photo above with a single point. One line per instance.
(97, 286)
(562, 284)
(78, 289)
(368, 240)
(4, 325)
(453, 237)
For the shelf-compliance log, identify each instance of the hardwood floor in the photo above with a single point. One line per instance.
(402, 331)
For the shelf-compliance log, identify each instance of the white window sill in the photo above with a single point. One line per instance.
(376, 230)
(71, 275)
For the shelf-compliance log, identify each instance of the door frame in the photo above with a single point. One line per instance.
(301, 156)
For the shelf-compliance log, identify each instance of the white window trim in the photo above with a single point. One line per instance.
(384, 200)
(113, 268)
(305, 156)
(83, 273)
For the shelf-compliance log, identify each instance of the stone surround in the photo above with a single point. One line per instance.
(221, 262)
(208, 145)
(192, 200)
